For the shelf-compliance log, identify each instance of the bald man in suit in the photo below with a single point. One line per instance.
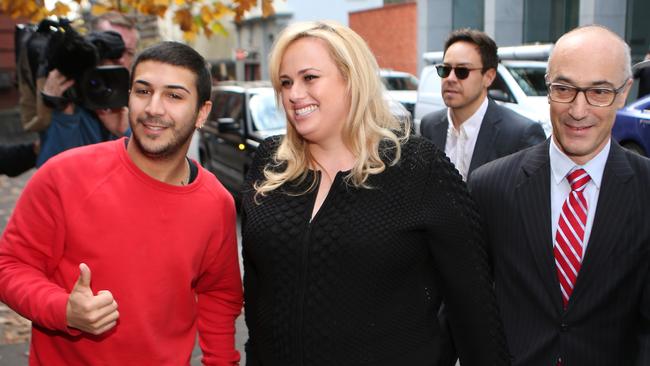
(567, 220)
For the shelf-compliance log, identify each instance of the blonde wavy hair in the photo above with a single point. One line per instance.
(369, 121)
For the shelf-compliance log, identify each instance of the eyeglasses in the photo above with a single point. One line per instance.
(596, 96)
(461, 72)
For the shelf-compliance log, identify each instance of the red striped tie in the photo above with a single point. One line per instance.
(570, 234)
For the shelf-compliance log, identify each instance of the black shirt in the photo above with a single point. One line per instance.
(361, 284)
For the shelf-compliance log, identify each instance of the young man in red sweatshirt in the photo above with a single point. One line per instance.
(120, 252)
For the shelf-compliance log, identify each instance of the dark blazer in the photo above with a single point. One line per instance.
(607, 320)
(502, 133)
(16, 159)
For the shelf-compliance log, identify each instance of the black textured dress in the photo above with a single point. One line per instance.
(362, 282)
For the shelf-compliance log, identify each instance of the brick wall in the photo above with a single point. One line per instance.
(391, 33)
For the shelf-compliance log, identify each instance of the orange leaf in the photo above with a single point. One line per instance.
(60, 9)
(189, 36)
(183, 18)
(267, 8)
(206, 14)
(160, 11)
(98, 9)
(220, 10)
(207, 31)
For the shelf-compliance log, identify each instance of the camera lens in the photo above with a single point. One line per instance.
(97, 87)
(105, 87)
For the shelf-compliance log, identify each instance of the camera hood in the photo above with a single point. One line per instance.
(104, 87)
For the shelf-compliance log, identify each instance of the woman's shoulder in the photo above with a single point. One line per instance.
(421, 159)
(266, 150)
(269, 145)
(419, 151)
(417, 143)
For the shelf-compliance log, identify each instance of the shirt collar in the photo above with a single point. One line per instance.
(562, 165)
(473, 123)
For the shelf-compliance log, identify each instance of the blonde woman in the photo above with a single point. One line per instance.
(353, 233)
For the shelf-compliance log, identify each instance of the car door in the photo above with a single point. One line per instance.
(227, 156)
(210, 131)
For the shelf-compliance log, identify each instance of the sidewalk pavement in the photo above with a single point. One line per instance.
(11, 131)
(17, 354)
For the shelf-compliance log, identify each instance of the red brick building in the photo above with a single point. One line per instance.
(391, 33)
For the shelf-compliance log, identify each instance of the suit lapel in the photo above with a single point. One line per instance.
(614, 200)
(486, 137)
(439, 135)
(533, 199)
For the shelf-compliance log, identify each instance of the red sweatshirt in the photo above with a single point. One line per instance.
(168, 254)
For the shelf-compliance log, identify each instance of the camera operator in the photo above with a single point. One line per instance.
(125, 26)
(72, 124)
(35, 117)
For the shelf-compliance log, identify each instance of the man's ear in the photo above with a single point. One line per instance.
(203, 114)
(489, 76)
(622, 97)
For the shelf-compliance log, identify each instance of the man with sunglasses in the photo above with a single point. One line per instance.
(474, 130)
(567, 220)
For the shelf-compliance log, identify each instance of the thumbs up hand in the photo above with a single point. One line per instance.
(87, 312)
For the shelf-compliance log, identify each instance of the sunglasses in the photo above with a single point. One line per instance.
(461, 72)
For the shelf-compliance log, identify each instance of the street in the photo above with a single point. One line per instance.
(15, 330)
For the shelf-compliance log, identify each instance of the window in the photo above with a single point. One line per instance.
(265, 113)
(530, 79)
(499, 90)
(235, 107)
(467, 14)
(228, 104)
(218, 108)
(546, 21)
(400, 82)
(637, 29)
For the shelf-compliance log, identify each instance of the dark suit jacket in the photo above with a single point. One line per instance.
(502, 133)
(16, 159)
(607, 320)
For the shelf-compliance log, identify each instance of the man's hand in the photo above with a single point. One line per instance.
(56, 83)
(87, 312)
(115, 120)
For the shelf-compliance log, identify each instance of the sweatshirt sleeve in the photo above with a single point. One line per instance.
(220, 294)
(30, 249)
(459, 255)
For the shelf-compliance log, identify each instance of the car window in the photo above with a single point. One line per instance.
(235, 109)
(499, 90)
(530, 79)
(218, 106)
(266, 115)
(400, 82)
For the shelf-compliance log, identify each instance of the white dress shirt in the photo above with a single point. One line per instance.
(461, 142)
(561, 166)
